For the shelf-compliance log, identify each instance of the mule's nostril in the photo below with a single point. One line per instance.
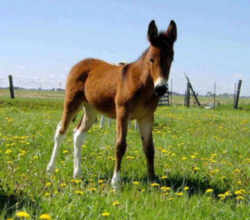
(160, 90)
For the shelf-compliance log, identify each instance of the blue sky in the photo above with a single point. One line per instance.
(41, 40)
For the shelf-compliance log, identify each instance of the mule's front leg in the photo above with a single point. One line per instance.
(121, 133)
(145, 126)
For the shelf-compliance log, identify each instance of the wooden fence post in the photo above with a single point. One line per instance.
(187, 96)
(12, 95)
(237, 96)
(214, 95)
(193, 92)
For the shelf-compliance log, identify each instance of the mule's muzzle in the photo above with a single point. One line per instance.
(160, 90)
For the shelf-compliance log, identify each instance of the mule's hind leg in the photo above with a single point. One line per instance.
(80, 132)
(70, 110)
(58, 138)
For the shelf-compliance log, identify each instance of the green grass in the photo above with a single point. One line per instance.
(196, 150)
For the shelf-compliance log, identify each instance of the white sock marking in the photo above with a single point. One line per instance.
(58, 140)
(116, 179)
(78, 142)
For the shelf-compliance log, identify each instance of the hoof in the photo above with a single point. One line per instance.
(116, 181)
(77, 174)
(50, 169)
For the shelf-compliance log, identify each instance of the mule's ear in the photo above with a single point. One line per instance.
(152, 32)
(171, 32)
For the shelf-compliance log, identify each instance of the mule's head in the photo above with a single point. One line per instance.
(160, 55)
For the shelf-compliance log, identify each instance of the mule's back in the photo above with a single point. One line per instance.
(95, 82)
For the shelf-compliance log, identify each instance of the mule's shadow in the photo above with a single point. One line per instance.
(10, 202)
(196, 185)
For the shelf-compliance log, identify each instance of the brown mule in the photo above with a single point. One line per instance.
(125, 92)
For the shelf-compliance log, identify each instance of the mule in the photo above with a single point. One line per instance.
(124, 92)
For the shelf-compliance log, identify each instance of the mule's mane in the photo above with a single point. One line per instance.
(143, 55)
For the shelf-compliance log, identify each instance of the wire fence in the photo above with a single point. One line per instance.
(50, 88)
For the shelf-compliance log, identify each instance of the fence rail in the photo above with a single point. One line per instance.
(170, 98)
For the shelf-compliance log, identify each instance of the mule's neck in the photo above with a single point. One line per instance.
(142, 68)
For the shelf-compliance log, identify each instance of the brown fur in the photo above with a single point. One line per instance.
(123, 92)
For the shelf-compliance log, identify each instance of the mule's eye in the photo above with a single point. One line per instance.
(151, 60)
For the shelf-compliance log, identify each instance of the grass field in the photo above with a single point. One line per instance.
(202, 160)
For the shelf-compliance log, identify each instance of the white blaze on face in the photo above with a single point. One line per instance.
(160, 82)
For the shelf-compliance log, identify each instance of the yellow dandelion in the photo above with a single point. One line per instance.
(213, 155)
(184, 158)
(48, 184)
(155, 184)
(164, 177)
(8, 151)
(78, 192)
(227, 193)
(164, 151)
(92, 189)
(116, 203)
(209, 190)
(22, 214)
(196, 168)
(186, 188)
(76, 181)
(165, 188)
(105, 214)
(240, 192)
(240, 198)
(136, 182)
(47, 194)
(100, 181)
(222, 196)
(45, 217)
(237, 170)
(239, 182)
(193, 156)
(63, 185)
(179, 193)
